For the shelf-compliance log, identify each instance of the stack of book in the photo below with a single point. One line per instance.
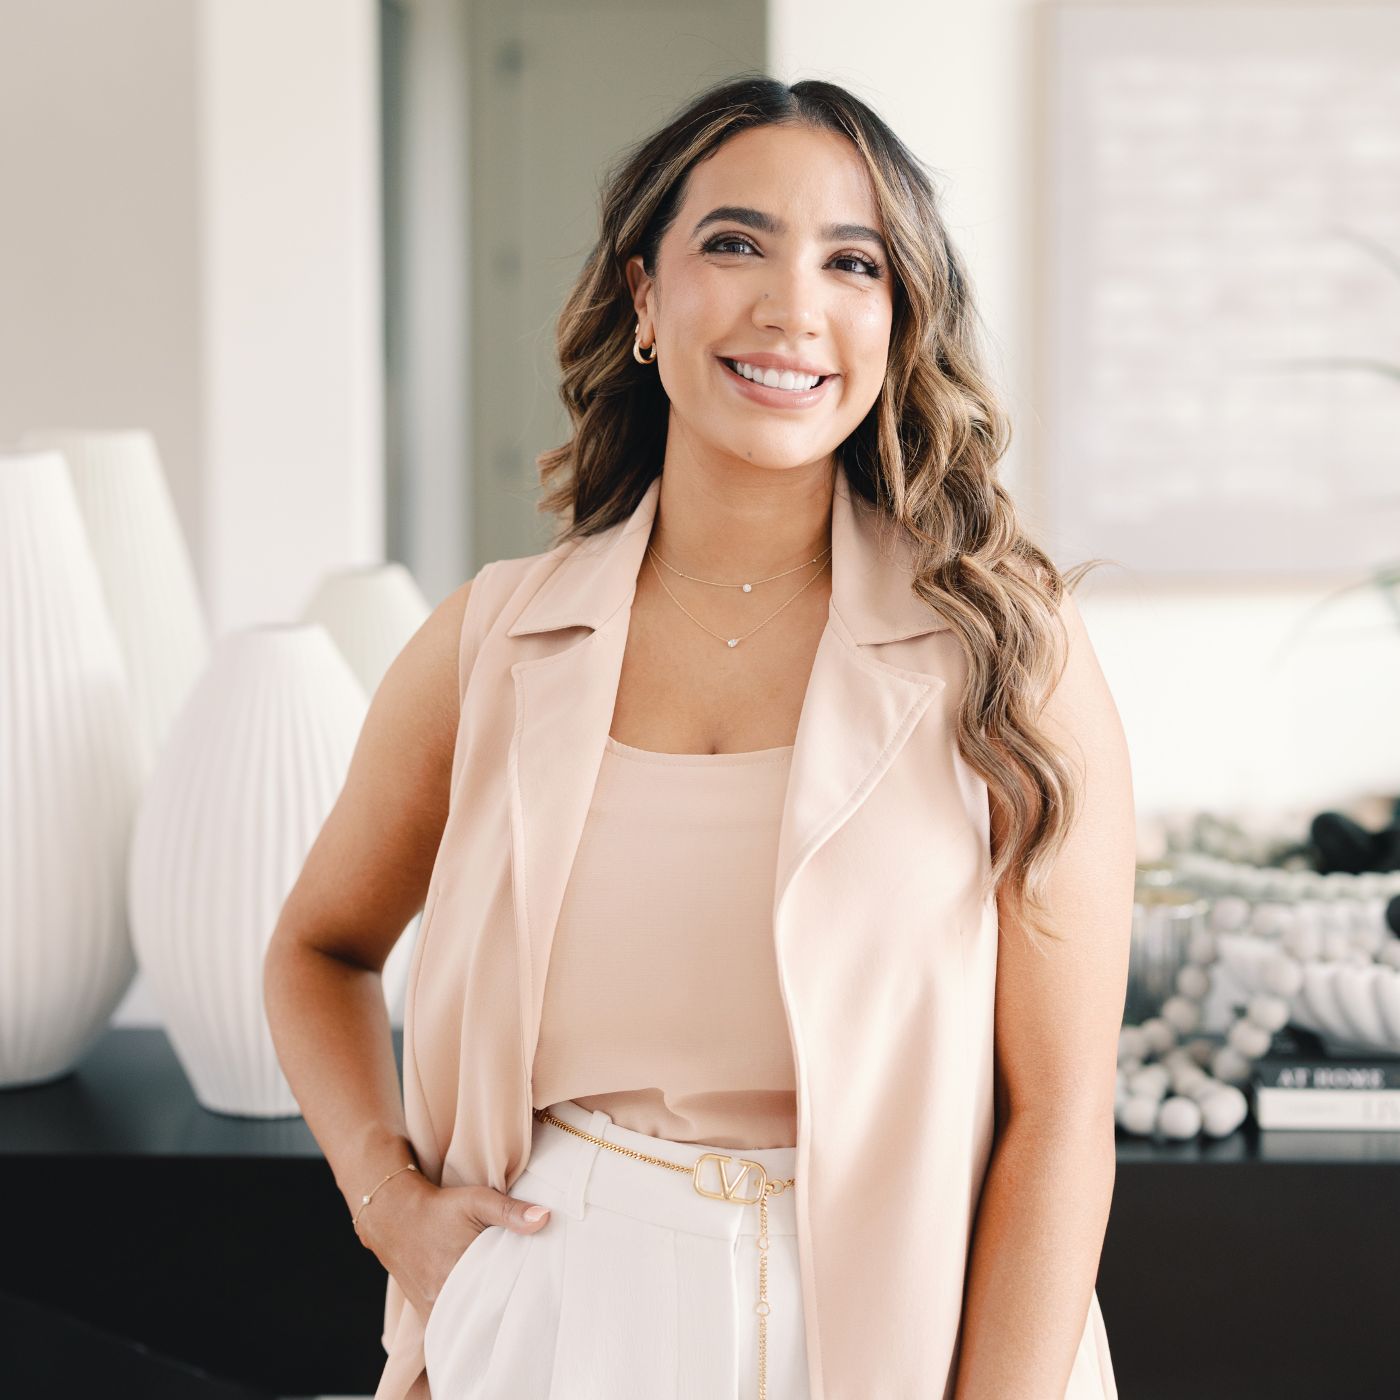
(1313, 1091)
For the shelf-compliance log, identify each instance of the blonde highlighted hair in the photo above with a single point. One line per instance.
(925, 454)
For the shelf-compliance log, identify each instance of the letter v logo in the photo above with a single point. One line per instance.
(729, 1190)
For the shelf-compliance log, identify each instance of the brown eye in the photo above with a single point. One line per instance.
(872, 269)
(715, 244)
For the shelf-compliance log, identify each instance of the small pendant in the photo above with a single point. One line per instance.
(748, 588)
(734, 641)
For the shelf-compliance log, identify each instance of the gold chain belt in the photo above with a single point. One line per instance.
(728, 1192)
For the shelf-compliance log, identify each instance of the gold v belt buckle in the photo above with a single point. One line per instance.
(728, 1189)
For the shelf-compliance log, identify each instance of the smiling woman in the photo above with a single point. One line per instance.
(776, 939)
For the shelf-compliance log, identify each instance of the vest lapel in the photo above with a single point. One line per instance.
(857, 712)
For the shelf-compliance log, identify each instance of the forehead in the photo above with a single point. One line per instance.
(801, 175)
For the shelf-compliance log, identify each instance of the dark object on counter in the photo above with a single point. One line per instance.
(1340, 843)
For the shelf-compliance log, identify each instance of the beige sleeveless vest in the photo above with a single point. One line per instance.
(886, 949)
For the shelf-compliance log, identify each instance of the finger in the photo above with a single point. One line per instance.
(522, 1216)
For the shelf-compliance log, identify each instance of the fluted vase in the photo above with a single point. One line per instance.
(144, 564)
(69, 780)
(241, 788)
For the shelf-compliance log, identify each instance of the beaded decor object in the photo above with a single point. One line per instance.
(1298, 931)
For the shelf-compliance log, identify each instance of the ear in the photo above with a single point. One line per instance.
(640, 286)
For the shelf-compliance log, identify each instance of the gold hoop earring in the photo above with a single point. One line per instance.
(637, 348)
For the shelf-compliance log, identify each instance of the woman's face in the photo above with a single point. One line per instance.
(774, 260)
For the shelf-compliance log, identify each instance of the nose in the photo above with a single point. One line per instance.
(790, 302)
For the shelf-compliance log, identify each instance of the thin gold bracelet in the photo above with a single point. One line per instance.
(365, 1200)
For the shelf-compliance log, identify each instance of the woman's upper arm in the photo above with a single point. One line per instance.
(367, 873)
(1058, 1012)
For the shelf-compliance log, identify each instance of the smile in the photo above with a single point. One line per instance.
(787, 390)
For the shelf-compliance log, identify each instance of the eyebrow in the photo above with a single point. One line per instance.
(756, 218)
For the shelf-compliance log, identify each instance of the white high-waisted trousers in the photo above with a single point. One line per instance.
(638, 1287)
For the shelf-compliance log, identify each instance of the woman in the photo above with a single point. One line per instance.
(773, 829)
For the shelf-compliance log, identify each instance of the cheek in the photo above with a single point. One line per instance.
(866, 348)
(698, 304)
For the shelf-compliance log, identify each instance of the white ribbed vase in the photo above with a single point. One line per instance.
(371, 613)
(68, 781)
(240, 790)
(145, 569)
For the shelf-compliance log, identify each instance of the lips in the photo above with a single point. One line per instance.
(733, 365)
(776, 398)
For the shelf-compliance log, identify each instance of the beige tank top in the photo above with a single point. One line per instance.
(661, 1002)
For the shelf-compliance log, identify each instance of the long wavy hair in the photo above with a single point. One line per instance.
(925, 454)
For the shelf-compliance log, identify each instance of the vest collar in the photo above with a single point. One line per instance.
(871, 591)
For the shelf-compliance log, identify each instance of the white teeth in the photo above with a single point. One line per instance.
(776, 379)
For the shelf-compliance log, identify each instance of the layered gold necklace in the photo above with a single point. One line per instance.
(746, 587)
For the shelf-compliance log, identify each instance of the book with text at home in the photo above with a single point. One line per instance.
(1317, 1075)
(1320, 1094)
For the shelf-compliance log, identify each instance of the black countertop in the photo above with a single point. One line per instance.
(217, 1256)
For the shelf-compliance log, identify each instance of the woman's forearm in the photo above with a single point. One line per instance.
(1034, 1260)
(333, 1036)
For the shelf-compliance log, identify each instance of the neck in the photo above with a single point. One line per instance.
(743, 524)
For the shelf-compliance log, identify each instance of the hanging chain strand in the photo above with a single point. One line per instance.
(729, 641)
(762, 1307)
(747, 587)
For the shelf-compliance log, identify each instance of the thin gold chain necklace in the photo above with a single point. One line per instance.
(732, 641)
(747, 587)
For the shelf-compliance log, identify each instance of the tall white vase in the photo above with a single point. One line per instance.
(371, 613)
(242, 786)
(68, 780)
(145, 569)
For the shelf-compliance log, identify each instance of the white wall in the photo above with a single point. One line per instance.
(100, 226)
(292, 298)
(189, 209)
(1215, 715)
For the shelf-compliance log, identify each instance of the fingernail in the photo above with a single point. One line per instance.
(535, 1212)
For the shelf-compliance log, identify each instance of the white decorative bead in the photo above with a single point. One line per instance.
(1224, 1111)
(1160, 1035)
(1267, 1011)
(1228, 1064)
(748, 588)
(1183, 1015)
(1138, 1114)
(1193, 981)
(1249, 1039)
(1187, 1078)
(1207, 1086)
(1151, 1081)
(1179, 1118)
(734, 641)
